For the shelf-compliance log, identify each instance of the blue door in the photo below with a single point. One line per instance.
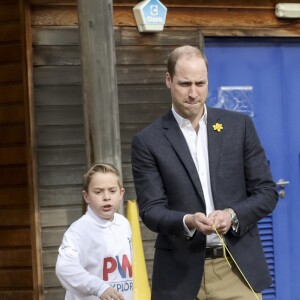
(262, 78)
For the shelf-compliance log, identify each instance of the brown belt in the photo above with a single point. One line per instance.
(214, 252)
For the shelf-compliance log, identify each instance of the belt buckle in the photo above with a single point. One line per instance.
(215, 252)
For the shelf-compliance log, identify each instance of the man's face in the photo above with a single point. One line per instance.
(189, 87)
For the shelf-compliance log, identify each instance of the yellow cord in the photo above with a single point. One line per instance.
(225, 256)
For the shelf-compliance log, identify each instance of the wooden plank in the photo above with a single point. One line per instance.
(12, 114)
(18, 237)
(252, 17)
(14, 196)
(13, 155)
(50, 257)
(10, 73)
(57, 75)
(53, 2)
(55, 35)
(10, 53)
(59, 117)
(63, 196)
(134, 94)
(58, 95)
(99, 82)
(52, 238)
(60, 136)
(55, 294)
(129, 130)
(168, 37)
(15, 258)
(125, 55)
(15, 217)
(10, 32)
(50, 278)
(14, 134)
(126, 153)
(56, 55)
(9, 11)
(126, 167)
(142, 113)
(13, 175)
(14, 294)
(141, 74)
(60, 156)
(10, 93)
(67, 175)
(60, 217)
(142, 55)
(56, 15)
(12, 278)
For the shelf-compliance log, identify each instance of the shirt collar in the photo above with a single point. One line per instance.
(101, 222)
(182, 122)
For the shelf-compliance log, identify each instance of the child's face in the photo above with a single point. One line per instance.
(104, 195)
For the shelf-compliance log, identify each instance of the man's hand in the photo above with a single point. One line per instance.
(200, 222)
(111, 294)
(221, 220)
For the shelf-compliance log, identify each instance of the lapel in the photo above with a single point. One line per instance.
(174, 135)
(215, 140)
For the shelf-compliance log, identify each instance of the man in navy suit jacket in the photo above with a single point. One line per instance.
(196, 170)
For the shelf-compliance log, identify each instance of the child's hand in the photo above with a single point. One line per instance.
(111, 294)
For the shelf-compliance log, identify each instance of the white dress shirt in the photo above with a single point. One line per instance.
(197, 143)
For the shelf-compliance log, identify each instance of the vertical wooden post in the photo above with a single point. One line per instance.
(100, 97)
(35, 230)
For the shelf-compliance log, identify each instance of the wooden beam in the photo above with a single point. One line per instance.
(99, 82)
(36, 245)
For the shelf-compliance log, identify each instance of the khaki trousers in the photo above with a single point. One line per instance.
(219, 281)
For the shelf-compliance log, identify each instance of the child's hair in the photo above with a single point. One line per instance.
(100, 168)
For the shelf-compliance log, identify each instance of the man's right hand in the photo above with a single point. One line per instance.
(200, 222)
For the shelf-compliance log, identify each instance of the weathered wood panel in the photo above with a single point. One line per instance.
(11, 73)
(15, 258)
(230, 18)
(60, 141)
(13, 155)
(11, 92)
(10, 31)
(12, 196)
(13, 176)
(13, 295)
(10, 279)
(12, 135)
(18, 237)
(10, 53)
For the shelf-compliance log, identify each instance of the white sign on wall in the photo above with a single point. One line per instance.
(150, 15)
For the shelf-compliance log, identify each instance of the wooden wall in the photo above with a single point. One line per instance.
(141, 60)
(16, 275)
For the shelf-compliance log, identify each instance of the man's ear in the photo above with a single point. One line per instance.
(168, 80)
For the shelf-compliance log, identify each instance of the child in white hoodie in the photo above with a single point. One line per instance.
(95, 257)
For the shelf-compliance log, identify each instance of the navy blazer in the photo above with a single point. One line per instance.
(168, 187)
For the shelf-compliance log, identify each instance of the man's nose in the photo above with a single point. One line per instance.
(193, 91)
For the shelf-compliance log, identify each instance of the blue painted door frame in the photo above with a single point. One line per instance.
(271, 68)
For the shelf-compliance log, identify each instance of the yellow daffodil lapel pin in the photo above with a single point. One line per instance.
(218, 127)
